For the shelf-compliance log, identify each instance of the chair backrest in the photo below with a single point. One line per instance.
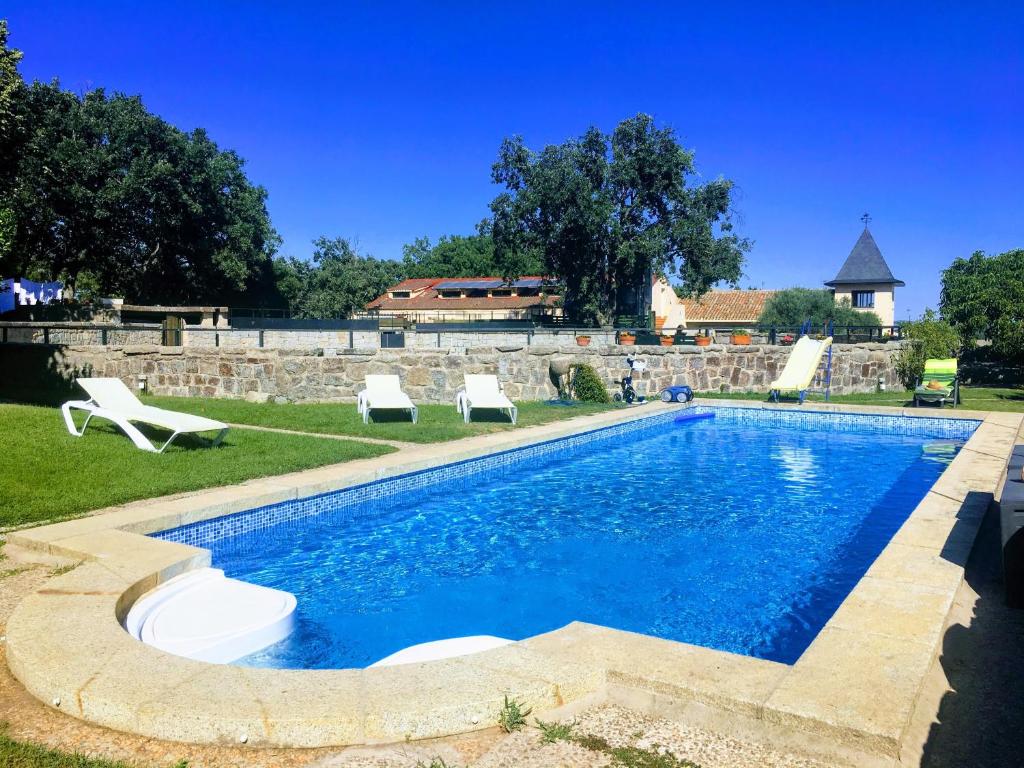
(482, 385)
(110, 393)
(384, 383)
(942, 371)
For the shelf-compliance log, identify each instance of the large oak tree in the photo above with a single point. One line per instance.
(98, 190)
(603, 212)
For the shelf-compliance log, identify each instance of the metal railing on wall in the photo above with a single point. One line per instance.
(388, 337)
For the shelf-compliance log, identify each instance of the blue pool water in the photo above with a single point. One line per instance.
(733, 532)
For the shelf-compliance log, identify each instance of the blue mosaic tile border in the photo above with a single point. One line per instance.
(372, 497)
(911, 426)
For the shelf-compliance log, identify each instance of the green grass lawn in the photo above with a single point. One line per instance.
(436, 422)
(48, 474)
(974, 398)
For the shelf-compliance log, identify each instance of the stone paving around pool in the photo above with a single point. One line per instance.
(848, 699)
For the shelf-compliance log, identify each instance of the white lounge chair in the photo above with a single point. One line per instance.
(482, 390)
(384, 392)
(801, 367)
(110, 399)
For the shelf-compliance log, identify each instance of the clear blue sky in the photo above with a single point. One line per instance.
(380, 121)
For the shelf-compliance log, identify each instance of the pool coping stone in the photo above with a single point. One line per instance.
(855, 685)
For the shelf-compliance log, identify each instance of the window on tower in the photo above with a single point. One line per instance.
(863, 299)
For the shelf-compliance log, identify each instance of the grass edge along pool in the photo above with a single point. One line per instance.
(269, 539)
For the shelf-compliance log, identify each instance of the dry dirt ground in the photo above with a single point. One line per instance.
(970, 712)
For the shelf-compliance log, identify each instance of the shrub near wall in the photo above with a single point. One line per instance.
(587, 385)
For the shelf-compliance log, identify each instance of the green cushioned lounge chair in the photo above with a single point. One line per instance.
(942, 372)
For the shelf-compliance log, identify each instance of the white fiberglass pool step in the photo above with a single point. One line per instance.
(442, 649)
(206, 616)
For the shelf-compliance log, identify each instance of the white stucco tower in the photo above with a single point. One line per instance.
(866, 280)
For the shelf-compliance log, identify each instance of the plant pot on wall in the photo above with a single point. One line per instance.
(666, 341)
(583, 341)
(740, 338)
(702, 341)
(627, 338)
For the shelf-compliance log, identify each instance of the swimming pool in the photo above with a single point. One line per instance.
(742, 532)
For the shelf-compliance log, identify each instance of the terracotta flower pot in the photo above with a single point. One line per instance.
(740, 338)
(583, 341)
(627, 338)
(703, 341)
(667, 341)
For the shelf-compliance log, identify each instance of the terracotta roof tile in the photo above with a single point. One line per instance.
(429, 299)
(727, 307)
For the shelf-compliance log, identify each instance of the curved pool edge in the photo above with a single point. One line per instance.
(856, 684)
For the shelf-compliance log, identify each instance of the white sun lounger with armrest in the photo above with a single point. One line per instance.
(802, 367)
(110, 399)
(384, 391)
(482, 390)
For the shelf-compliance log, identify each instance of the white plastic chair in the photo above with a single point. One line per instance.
(110, 399)
(384, 391)
(482, 390)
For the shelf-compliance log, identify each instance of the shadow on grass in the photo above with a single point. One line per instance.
(480, 415)
(157, 436)
(36, 374)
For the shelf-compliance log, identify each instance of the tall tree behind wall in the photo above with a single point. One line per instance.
(102, 190)
(602, 212)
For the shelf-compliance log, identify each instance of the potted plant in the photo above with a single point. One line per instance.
(702, 340)
(626, 337)
(583, 341)
(740, 337)
(666, 340)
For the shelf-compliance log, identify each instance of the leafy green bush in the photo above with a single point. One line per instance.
(587, 385)
(793, 306)
(930, 337)
(983, 298)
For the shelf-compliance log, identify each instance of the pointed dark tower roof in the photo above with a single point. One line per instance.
(865, 265)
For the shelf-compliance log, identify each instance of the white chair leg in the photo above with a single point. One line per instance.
(138, 438)
(514, 413)
(465, 412)
(69, 420)
(415, 414)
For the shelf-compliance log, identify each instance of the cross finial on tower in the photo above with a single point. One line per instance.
(866, 218)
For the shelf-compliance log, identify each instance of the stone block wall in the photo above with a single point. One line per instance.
(433, 375)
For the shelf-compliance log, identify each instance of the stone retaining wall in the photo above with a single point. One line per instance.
(432, 375)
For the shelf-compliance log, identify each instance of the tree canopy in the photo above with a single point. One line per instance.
(793, 306)
(337, 283)
(603, 212)
(983, 298)
(930, 337)
(96, 186)
(458, 256)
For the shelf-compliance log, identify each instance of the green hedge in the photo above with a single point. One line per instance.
(587, 385)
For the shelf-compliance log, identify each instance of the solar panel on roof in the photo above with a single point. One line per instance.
(454, 285)
(528, 282)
